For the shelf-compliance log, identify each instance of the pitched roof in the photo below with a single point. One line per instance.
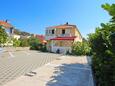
(5, 24)
(41, 38)
(63, 26)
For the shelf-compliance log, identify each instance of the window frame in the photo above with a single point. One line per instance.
(63, 31)
(53, 31)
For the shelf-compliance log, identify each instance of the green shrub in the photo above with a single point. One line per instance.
(34, 42)
(104, 55)
(81, 48)
(24, 42)
(36, 45)
(42, 47)
(16, 43)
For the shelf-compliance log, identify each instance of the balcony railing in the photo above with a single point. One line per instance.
(64, 35)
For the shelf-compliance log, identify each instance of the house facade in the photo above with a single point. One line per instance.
(61, 38)
(8, 27)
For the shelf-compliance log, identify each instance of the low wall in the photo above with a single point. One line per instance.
(15, 48)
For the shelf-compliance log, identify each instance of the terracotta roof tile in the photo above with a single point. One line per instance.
(63, 26)
(5, 24)
(41, 38)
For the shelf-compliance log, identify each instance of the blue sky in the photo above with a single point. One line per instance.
(35, 15)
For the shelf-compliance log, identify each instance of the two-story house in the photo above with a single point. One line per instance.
(60, 38)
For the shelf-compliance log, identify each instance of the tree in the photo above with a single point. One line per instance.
(102, 43)
(110, 9)
(103, 55)
(34, 42)
(3, 35)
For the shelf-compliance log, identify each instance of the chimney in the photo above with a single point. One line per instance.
(6, 21)
(66, 23)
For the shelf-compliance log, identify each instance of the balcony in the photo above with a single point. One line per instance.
(64, 35)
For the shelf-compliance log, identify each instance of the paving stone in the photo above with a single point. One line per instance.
(61, 72)
(22, 63)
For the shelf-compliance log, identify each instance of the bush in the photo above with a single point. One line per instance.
(34, 43)
(42, 47)
(16, 43)
(81, 48)
(103, 46)
(24, 42)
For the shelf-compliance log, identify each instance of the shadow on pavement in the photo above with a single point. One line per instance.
(71, 75)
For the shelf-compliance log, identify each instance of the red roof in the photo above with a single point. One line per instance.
(64, 26)
(41, 38)
(5, 24)
(64, 38)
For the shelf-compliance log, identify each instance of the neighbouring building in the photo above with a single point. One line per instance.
(15, 36)
(9, 30)
(60, 38)
(41, 38)
(8, 27)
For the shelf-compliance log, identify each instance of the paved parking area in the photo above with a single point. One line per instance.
(64, 71)
(15, 64)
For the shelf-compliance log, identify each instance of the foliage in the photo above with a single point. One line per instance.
(16, 42)
(42, 47)
(102, 43)
(110, 9)
(34, 42)
(104, 57)
(24, 42)
(36, 45)
(3, 35)
(81, 48)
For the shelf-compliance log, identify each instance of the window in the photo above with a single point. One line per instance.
(52, 31)
(63, 31)
(46, 32)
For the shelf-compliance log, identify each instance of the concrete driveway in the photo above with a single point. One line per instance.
(17, 63)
